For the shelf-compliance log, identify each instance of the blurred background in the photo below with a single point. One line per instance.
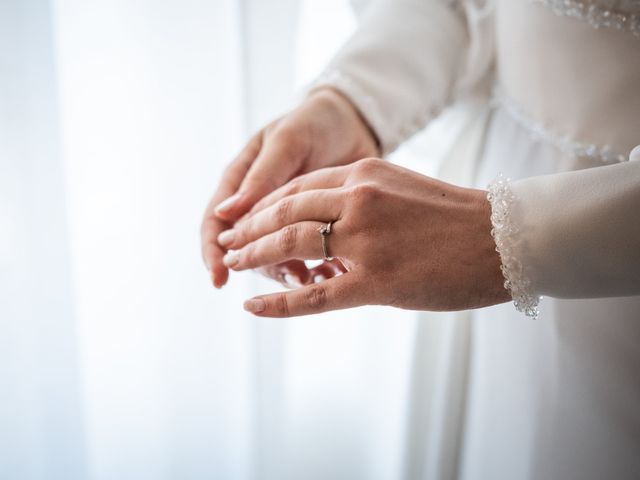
(118, 359)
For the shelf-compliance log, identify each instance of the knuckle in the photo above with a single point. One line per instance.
(286, 131)
(240, 237)
(363, 194)
(248, 256)
(291, 140)
(288, 239)
(295, 185)
(246, 232)
(283, 209)
(316, 297)
(290, 136)
(281, 305)
(367, 165)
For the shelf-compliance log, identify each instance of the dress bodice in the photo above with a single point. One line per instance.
(572, 67)
(620, 14)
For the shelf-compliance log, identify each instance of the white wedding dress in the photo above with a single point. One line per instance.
(511, 396)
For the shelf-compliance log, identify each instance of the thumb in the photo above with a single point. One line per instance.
(280, 158)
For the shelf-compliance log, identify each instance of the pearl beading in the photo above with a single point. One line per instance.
(539, 131)
(505, 235)
(620, 15)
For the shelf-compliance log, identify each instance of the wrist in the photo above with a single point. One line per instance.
(368, 144)
(491, 264)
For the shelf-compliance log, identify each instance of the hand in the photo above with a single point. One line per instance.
(404, 239)
(325, 130)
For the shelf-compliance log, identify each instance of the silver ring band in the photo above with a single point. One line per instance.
(325, 231)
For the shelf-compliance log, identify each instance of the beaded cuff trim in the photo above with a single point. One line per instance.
(624, 16)
(504, 233)
(602, 153)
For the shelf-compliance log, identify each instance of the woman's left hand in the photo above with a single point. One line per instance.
(404, 240)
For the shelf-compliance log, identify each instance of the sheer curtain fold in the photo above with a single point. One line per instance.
(115, 121)
(38, 348)
(117, 357)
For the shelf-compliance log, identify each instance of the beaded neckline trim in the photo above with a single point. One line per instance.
(625, 16)
(538, 130)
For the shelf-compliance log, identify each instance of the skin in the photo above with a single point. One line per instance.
(399, 238)
(325, 130)
(404, 240)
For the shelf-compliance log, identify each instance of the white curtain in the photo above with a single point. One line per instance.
(118, 360)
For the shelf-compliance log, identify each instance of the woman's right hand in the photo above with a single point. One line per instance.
(325, 130)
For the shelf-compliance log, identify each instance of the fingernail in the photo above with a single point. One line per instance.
(292, 280)
(227, 204)
(318, 278)
(255, 305)
(231, 259)
(226, 237)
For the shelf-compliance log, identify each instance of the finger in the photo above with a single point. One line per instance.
(277, 162)
(213, 256)
(327, 270)
(320, 205)
(274, 272)
(322, 272)
(345, 291)
(296, 273)
(296, 241)
(293, 273)
(235, 173)
(339, 266)
(324, 178)
(212, 253)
